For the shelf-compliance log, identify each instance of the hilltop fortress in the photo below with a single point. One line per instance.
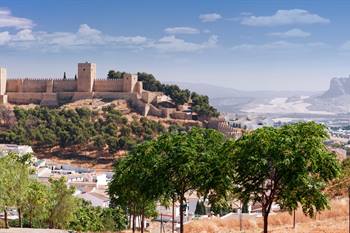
(54, 92)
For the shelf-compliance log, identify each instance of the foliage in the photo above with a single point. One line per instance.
(61, 205)
(46, 127)
(169, 167)
(14, 177)
(115, 75)
(36, 202)
(97, 219)
(180, 96)
(288, 165)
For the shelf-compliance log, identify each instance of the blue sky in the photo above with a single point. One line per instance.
(248, 45)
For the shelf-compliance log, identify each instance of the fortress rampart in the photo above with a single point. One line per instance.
(51, 92)
(54, 92)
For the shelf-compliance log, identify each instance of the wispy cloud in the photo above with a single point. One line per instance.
(83, 38)
(285, 17)
(10, 21)
(174, 44)
(278, 46)
(345, 46)
(211, 17)
(181, 30)
(295, 32)
(86, 37)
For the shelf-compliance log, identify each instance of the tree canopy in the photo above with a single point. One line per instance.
(180, 96)
(110, 130)
(289, 165)
(168, 167)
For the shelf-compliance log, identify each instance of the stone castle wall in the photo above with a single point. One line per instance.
(34, 86)
(108, 85)
(69, 85)
(51, 92)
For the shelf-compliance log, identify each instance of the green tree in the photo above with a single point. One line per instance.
(61, 203)
(35, 208)
(288, 165)
(14, 177)
(136, 192)
(188, 160)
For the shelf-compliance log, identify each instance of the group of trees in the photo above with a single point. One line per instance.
(66, 127)
(53, 205)
(180, 96)
(289, 166)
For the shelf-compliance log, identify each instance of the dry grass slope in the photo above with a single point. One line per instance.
(334, 220)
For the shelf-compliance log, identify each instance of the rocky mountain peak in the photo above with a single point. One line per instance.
(338, 87)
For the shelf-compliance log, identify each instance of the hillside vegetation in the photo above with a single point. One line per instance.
(105, 130)
(200, 103)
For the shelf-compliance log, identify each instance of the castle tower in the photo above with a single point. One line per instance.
(3, 80)
(129, 82)
(86, 76)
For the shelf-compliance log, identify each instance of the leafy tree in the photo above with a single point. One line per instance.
(14, 177)
(61, 203)
(115, 75)
(64, 76)
(36, 203)
(187, 164)
(288, 165)
(131, 190)
(200, 104)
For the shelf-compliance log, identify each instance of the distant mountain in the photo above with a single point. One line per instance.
(336, 99)
(338, 87)
(214, 91)
(227, 99)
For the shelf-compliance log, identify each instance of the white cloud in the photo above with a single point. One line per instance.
(212, 17)
(85, 37)
(174, 44)
(278, 46)
(4, 37)
(182, 30)
(24, 35)
(344, 46)
(295, 32)
(285, 17)
(10, 21)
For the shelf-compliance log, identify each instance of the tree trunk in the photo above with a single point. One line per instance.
(182, 214)
(130, 221)
(30, 219)
(294, 219)
(173, 217)
(5, 219)
(266, 223)
(20, 217)
(143, 221)
(133, 222)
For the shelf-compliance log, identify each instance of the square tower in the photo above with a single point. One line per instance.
(129, 82)
(86, 76)
(3, 79)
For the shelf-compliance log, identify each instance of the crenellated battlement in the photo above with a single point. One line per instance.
(34, 90)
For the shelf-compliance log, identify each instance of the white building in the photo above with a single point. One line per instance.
(12, 148)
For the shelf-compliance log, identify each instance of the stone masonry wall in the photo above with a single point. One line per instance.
(68, 85)
(34, 86)
(115, 85)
